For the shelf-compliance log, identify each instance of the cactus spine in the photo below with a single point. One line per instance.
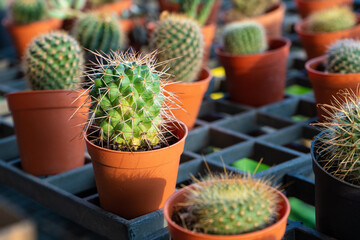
(190, 8)
(344, 57)
(252, 8)
(332, 19)
(231, 206)
(54, 61)
(129, 110)
(244, 38)
(180, 41)
(28, 11)
(99, 31)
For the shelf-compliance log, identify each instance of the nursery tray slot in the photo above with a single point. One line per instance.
(91, 197)
(6, 131)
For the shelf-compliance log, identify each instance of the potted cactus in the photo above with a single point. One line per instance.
(268, 13)
(180, 41)
(255, 67)
(115, 6)
(28, 19)
(322, 28)
(48, 137)
(337, 70)
(336, 164)
(134, 142)
(223, 207)
(307, 7)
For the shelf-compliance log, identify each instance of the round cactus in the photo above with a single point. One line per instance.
(252, 8)
(27, 11)
(332, 19)
(244, 38)
(344, 57)
(180, 41)
(231, 206)
(54, 61)
(129, 109)
(99, 31)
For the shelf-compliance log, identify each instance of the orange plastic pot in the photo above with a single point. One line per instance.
(48, 137)
(131, 184)
(117, 7)
(306, 7)
(189, 97)
(273, 232)
(257, 79)
(326, 85)
(316, 44)
(22, 35)
(272, 20)
(208, 32)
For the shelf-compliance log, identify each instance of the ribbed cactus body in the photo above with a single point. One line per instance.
(128, 103)
(333, 19)
(27, 11)
(179, 39)
(191, 9)
(244, 38)
(344, 57)
(99, 31)
(227, 207)
(252, 8)
(54, 61)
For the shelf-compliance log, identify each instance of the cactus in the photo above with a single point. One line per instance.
(99, 31)
(332, 19)
(54, 61)
(338, 146)
(228, 206)
(180, 41)
(253, 8)
(244, 38)
(129, 111)
(344, 57)
(190, 8)
(64, 9)
(27, 11)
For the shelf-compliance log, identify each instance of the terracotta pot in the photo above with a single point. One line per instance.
(49, 140)
(316, 44)
(189, 97)
(22, 35)
(306, 7)
(273, 232)
(272, 20)
(326, 85)
(117, 7)
(131, 184)
(257, 79)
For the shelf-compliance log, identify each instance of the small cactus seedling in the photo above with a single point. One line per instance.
(332, 19)
(129, 102)
(180, 42)
(253, 8)
(344, 57)
(54, 61)
(339, 146)
(27, 11)
(244, 38)
(223, 205)
(65, 8)
(191, 7)
(99, 31)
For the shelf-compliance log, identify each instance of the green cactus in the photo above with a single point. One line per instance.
(97, 3)
(54, 61)
(231, 206)
(253, 8)
(180, 41)
(338, 146)
(64, 9)
(344, 57)
(27, 11)
(332, 19)
(191, 9)
(244, 38)
(129, 105)
(99, 31)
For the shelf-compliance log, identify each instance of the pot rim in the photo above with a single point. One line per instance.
(201, 81)
(8, 23)
(178, 122)
(168, 204)
(314, 160)
(27, 92)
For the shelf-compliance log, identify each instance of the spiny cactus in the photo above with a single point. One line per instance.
(338, 146)
(252, 8)
(65, 8)
(27, 11)
(244, 38)
(332, 19)
(191, 7)
(223, 206)
(54, 61)
(344, 57)
(99, 31)
(129, 102)
(180, 41)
